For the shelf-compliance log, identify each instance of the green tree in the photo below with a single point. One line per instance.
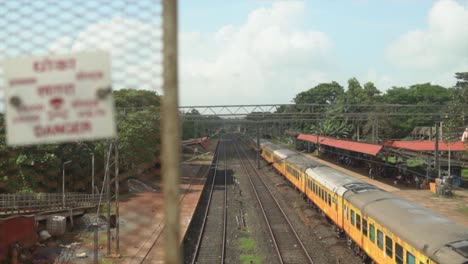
(324, 93)
(421, 99)
(138, 126)
(331, 128)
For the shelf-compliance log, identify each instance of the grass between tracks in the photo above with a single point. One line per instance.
(463, 209)
(247, 247)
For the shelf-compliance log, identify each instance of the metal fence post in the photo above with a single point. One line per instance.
(170, 133)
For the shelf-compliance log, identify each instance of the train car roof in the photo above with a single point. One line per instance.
(421, 227)
(268, 144)
(302, 162)
(333, 179)
(284, 153)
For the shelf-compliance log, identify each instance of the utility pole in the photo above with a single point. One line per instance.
(108, 198)
(116, 179)
(170, 133)
(63, 182)
(436, 149)
(92, 174)
(258, 146)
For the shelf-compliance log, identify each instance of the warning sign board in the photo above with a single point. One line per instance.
(58, 98)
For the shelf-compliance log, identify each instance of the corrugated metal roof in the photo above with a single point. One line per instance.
(371, 149)
(426, 145)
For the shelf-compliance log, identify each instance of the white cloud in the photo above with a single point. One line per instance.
(441, 49)
(267, 59)
(135, 49)
(382, 81)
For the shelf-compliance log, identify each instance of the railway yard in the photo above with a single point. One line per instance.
(251, 132)
(232, 212)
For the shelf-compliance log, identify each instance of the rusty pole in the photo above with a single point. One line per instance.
(170, 133)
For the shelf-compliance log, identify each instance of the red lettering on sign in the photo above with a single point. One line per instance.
(62, 129)
(47, 65)
(26, 119)
(23, 81)
(89, 75)
(52, 89)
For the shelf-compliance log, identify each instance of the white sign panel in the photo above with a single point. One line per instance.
(59, 98)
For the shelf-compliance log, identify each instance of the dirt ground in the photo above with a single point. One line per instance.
(141, 220)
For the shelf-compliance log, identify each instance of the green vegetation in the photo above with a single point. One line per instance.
(250, 258)
(247, 247)
(409, 162)
(415, 162)
(463, 209)
(332, 101)
(465, 173)
(246, 244)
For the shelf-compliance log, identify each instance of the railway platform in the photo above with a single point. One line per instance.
(455, 208)
(142, 231)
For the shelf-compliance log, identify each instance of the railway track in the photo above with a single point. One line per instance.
(211, 245)
(287, 243)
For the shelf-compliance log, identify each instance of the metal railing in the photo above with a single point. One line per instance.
(21, 203)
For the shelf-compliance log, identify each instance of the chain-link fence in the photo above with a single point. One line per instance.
(131, 33)
(129, 30)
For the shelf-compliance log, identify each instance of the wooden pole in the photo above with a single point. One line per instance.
(170, 133)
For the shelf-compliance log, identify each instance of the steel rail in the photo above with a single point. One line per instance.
(274, 230)
(197, 257)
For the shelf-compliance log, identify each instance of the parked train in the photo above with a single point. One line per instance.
(378, 226)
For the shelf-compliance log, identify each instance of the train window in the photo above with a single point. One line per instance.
(329, 200)
(379, 239)
(364, 227)
(358, 222)
(389, 246)
(352, 217)
(410, 258)
(398, 253)
(372, 233)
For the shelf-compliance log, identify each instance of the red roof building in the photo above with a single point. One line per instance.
(366, 148)
(426, 145)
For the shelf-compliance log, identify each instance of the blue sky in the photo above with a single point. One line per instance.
(366, 38)
(253, 51)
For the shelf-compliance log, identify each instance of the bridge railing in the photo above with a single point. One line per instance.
(33, 202)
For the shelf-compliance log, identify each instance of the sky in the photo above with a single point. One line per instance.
(252, 51)
(259, 51)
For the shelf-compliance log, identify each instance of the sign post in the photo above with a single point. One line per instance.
(59, 98)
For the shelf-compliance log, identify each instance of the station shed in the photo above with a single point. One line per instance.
(347, 152)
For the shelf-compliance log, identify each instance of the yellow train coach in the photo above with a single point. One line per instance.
(378, 225)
